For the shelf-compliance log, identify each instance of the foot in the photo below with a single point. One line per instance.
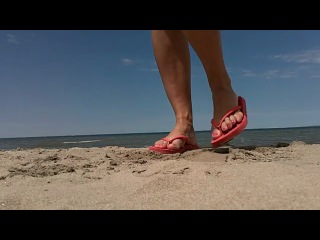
(179, 129)
(223, 101)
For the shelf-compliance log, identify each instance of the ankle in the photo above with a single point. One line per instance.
(222, 95)
(220, 84)
(184, 124)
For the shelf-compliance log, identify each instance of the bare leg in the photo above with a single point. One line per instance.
(172, 55)
(207, 45)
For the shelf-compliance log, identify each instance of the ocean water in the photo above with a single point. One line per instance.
(249, 137)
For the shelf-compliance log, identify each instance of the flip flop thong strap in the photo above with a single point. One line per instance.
(179, 137)
(224, 117)
(165, 139)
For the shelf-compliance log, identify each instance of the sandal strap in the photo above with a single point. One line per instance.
(179, 137)
(225, 116)
(165, 139)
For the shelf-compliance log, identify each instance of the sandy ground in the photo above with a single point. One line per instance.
(134, 178)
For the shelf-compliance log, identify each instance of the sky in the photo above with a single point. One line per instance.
(83, 82)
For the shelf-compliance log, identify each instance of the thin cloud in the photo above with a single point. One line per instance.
(249, 73)
(305, 56)
(150, 69)
(12, 39)
(270, 74)
(127, 61)
(229, 69)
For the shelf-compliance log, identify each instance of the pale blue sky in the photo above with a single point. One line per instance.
(67, 82)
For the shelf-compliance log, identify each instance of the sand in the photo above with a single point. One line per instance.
(135, 178)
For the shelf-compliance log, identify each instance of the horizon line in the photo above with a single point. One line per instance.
(78, 135)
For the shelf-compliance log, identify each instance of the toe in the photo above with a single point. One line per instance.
(176, 144)
(224, 127)
(228, 122)
(216, 133)
(233, 120)
(239, 116)
(160, 143)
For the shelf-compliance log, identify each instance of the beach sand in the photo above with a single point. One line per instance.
(135, 178)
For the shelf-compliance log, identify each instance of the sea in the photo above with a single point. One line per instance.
(249, 137)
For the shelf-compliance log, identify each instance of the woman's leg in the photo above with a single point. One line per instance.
(172, 55)
(207, 45)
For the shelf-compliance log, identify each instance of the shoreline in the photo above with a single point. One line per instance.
(142, 133)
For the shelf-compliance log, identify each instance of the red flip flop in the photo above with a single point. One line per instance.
(165, 150)
(236, 130)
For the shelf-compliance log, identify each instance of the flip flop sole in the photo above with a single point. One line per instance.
(174, 151)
